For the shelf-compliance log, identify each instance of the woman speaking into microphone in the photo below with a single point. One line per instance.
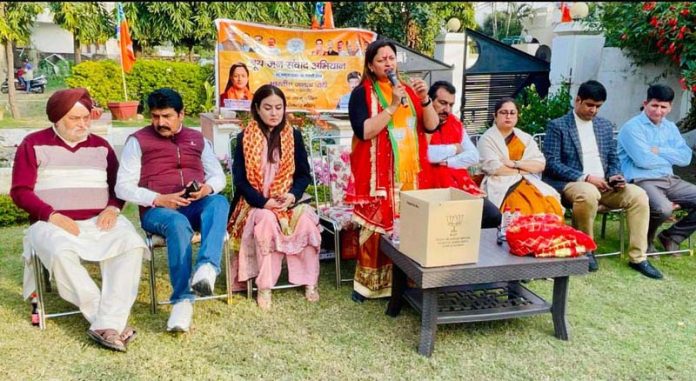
(389, 120)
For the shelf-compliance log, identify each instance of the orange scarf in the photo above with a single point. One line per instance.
(254, 143)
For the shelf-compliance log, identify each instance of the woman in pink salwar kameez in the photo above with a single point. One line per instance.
(270, 173)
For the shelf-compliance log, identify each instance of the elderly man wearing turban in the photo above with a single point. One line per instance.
(64, 177)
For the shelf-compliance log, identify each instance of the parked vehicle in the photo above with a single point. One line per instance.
(38, 85)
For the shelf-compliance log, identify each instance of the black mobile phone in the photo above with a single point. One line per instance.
(194, 187)
(304, 201)
(616, 182)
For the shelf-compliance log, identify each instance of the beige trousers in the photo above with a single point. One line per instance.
(585, 198)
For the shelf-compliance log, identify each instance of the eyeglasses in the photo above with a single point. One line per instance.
(506, 113)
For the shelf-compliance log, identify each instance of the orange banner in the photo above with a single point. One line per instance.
(316, 69)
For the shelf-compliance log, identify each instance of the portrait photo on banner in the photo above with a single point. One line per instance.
(316, 69)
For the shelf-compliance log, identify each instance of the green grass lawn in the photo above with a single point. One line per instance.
(623, 326)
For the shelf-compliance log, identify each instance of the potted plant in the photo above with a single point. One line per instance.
(123, 110)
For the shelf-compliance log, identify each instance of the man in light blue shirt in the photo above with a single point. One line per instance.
(648, 146)
(353, 79)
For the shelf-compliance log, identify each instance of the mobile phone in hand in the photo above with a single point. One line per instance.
(194, 187)
(616, 182)
(303, 201)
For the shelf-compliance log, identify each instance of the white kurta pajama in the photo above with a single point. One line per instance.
(119, 252)
(77, 180)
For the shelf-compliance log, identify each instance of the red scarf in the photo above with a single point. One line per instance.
(372, 166)
(451, 132)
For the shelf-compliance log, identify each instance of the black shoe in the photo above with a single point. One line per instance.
(667, 242)
(356, 297)
(592, 265)
(646, 269)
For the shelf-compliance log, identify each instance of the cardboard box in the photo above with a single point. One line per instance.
(440, 227)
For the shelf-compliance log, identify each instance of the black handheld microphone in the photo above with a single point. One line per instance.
(394, 81)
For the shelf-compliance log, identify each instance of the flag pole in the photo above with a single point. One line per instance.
(120, 42)
(123, 79)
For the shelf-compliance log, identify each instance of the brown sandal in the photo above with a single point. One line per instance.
(128, 334)
(108, 338)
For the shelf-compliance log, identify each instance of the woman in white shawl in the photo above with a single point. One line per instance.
(512, 164)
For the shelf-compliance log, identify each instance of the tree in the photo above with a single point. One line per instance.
(513, 27)
(88, 22)
(518, 12)
(413, 24)
(191, 24)
(16, 20)
(655, 32)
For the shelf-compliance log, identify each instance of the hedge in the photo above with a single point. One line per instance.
(10, 214)
(103, 80)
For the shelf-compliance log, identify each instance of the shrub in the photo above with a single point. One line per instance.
(323, 192)
(227, 192)
(103, 80)
(10, 214)
(535, 112)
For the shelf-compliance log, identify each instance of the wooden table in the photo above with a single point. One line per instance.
(487, 290)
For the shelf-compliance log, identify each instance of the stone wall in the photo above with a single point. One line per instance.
(627, 85)
(579, 54)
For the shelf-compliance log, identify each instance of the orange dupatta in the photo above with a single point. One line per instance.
(526, 196)
(254, 142)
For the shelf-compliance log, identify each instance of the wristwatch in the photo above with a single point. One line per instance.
(426, 103)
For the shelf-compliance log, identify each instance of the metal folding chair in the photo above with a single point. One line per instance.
(334, 215)
(155, 241)
(43, 285)
(250, 288)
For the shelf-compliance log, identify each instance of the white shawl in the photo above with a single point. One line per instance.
(493, 150)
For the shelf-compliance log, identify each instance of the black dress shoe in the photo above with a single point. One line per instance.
(592, 264)
(646, 269)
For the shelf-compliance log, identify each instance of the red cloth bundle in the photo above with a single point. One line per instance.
(545, 235)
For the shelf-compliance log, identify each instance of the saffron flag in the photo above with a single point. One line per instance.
(328, 16)
(124, 39)
(565, 13)
(318, 16)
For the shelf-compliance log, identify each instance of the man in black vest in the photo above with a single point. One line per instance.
(158, 163)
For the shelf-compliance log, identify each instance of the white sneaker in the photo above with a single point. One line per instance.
(180, 318)
(203, 281)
